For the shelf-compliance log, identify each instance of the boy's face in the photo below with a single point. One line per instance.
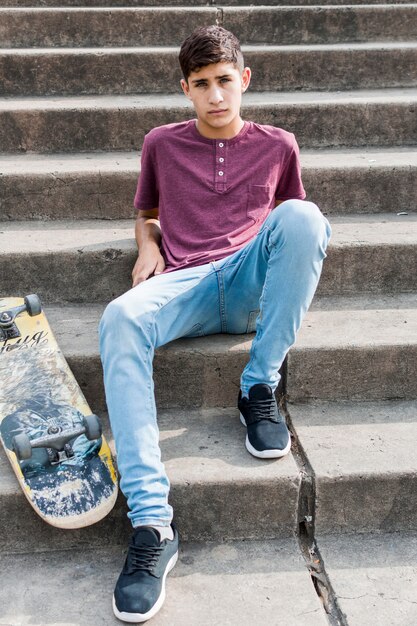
(216, 93)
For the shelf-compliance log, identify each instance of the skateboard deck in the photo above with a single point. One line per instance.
(53, 442)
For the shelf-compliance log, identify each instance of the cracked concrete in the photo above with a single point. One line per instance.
(352, 469)
(374, 577)
(233, 584)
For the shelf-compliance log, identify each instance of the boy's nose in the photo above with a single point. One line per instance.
(215, 96)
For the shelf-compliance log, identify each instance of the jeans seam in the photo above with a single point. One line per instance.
(222, 308)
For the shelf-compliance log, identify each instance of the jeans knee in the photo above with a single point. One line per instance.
(132, 313)
(303, 222)
(108, 318)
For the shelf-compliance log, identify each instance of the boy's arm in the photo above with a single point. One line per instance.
(148, 237)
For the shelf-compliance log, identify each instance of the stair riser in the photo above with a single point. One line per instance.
(317, 125)
(321, 25)
(387, 503)
(149, 71)
(59, 28)
(342, 374)
(153, 3)
(352, 374)
(148, 27)
(344, 272)
(110, 195)
(236, 511)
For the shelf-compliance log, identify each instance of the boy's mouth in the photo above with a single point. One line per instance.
(217, 111)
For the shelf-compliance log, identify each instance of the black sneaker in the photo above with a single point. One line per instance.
(268, 436)
(140, 589)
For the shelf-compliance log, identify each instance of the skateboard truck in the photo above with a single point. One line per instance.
(57, 440)
(8, 328)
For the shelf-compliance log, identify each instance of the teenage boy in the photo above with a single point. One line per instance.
(214, 254)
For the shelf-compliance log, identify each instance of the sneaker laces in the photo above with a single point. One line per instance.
(143, 558)
(263, 410)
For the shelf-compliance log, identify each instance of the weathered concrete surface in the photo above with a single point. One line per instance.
(134, 3)
(73, 251)
(234, 584)
(387, 242)
(101, 27)
(102, 185)
(321, 24)
(207, 462)
(367, 352)
(319, 120)
(361, 181)
(80, 186)
(359, 348)
(364, 461)
(211, 365)
(145, 26)
(75, 71)
(374, 577)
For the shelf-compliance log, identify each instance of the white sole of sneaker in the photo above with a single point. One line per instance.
(265, 454)
(138, 618)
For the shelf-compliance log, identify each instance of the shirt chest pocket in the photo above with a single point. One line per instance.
(260, 200)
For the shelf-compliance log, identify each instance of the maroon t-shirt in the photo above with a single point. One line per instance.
(214, 194)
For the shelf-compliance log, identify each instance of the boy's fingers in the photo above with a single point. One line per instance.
(160, 266)
(140, 274)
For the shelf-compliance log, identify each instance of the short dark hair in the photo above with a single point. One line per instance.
(207, 45)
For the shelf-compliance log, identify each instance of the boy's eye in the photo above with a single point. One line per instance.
(225, 80)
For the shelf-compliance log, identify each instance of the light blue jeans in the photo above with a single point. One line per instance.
(266, 286)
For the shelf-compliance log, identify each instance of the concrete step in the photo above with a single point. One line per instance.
(384, 117)
(123, 26)
(355, 451)
(183, 3)
(74, 71)
(167, 26)
(360, 348)
(206, 460)
(372, 577)
(364, 463)
(235, 584)
(102, 185)
(355, 349)
(73, 251)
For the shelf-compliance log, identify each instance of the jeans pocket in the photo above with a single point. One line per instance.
(252, 321)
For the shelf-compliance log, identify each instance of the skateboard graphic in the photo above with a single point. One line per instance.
(53, 441)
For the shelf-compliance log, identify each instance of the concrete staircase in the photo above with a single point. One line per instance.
(326, 535)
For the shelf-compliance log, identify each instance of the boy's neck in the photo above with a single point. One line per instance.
(228, 132)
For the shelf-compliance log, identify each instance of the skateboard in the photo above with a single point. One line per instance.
(52, 440)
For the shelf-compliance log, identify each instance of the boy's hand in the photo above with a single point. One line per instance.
(150, 262)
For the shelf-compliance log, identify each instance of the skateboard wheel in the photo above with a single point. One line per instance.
(92, 427)
(22, 447)
(33, 304)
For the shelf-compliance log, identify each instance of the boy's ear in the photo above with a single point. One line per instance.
(185, 87)
(246, 76)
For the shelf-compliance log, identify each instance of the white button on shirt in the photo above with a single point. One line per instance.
(221, 145)
(221, 173)
(221, 159)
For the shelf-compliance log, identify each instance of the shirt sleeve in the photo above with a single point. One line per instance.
(290, 185)
(147, 191)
